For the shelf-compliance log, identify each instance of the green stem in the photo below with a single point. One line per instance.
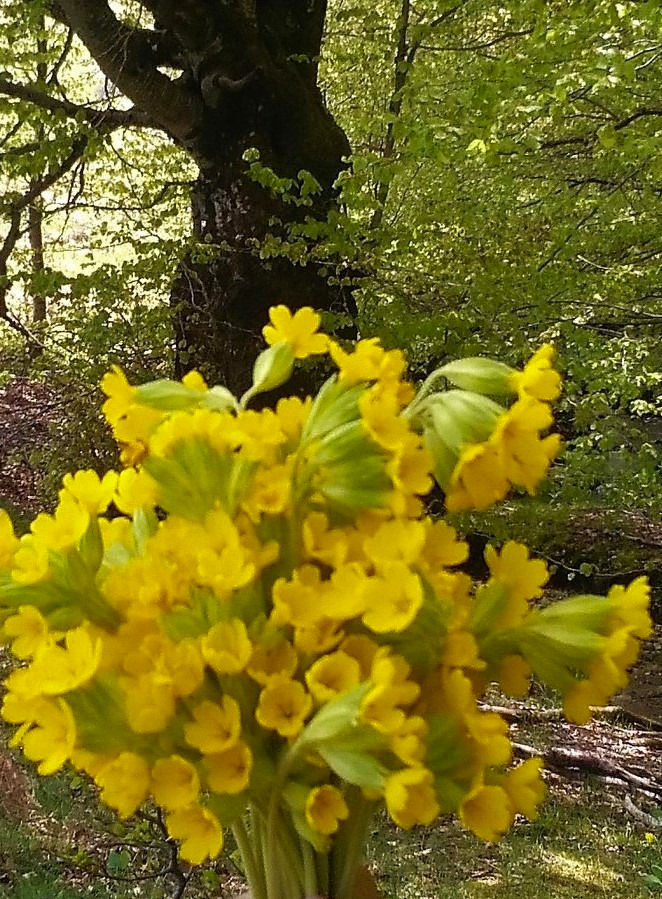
(348, 851)
(252, 868)
(281, 858)
(322, 859)
(309, 869)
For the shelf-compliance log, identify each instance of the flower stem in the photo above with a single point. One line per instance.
(322, 860)
(348, 851)
(253, 869)
(309, 869)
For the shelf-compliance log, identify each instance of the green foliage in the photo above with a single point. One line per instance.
(503, 189)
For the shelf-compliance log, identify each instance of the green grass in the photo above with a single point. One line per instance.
(583, 846)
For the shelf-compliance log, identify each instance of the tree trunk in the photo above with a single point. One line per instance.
(35, 232)
(221, 298)
(219, 79)
(221, 301)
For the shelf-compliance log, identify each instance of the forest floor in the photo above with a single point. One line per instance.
(605, 786)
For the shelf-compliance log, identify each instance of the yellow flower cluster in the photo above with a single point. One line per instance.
(481, 448)
(268, 621)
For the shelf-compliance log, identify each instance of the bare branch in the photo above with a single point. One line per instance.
(98, 118)
(16, 207)
(125, 55)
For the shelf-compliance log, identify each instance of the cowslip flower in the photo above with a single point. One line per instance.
(325, 809)
(273, 628)
(283, 706)
(300, 331)
(198, 831)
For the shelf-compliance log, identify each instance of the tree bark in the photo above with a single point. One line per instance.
(221, 299)
(221, 78)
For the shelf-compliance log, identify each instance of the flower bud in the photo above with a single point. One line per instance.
(485, 376)
(272, 368)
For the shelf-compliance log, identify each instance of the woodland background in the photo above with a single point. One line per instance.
(493, 180)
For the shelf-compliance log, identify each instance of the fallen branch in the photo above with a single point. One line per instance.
(610, 712)
(559, 759)
(649, 821)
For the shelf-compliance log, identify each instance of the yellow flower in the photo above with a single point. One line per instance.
(332, 674)
(269, 492)
(380, 706)
(368, 362)
(323, 543)
(135, 490)
(442, 548)
(64, 529)
(8, 541)
(380, 417)
(292, 414)
(124, 783)
(489, 732)
(478, 479)
(325, 809)
(393, 599)
(410, 797)
(524, 578)
(30, 561)
(283, 706)
(396, 540)
(408, 742)
(524, 457)
(525, 787)
(487, 811)
(175, 783)
(116, 532)
(119, 392)
(92, 492)
(63, 668)
(29, 631)
(199, 832)
(217, 726)
(51, 741)
(226, 646)
(183, 666)
(631, 607)
(539, 379)
(150, 704)
(272, 660)
(578, 700)
(230, 771)
(298, 330)
(297, 601)
(461, 651)
(514, 675)
(346, 595)
(194, 381)
(409, 469)
(322, 636)
(363, 649)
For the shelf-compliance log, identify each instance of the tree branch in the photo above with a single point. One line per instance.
(126, 57)
(98, 118)
(16, 207)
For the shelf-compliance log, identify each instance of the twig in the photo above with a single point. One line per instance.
(649, 821)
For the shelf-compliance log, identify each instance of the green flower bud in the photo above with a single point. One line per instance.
(486, 376)
(460, 417)
(272, 368)
(167, 396)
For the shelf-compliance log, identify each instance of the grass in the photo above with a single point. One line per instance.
(582, 846)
